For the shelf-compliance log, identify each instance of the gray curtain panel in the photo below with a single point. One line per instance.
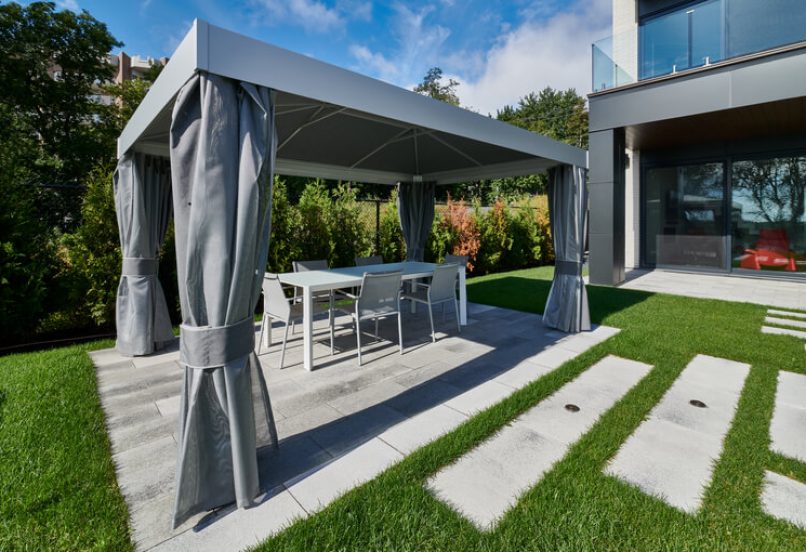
(415, 207)
(143, 204)
(223, 144)
(567, 305)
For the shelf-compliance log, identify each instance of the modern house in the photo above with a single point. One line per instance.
(698, 138)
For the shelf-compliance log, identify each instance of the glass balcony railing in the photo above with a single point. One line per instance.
(696, 36)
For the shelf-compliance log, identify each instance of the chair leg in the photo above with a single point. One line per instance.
(262, 329)
(399, 330)
(431, 319)
(456, 310)
(358, 339)
(378, 335)
(331, 320)
(285, 341)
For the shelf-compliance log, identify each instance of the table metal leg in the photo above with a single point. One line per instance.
(307, 316)
(462, 296)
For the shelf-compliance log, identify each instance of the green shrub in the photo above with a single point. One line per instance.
(393, 246)
(494, 238)
(313, 233)
(349, 235)
(284, 247)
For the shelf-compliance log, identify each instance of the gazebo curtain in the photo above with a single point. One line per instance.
(222, 145)
(143, 204)
(567, 305)
(415, 207)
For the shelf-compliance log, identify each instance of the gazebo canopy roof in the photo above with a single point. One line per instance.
(337, 124)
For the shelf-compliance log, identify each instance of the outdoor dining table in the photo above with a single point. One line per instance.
(313, 281)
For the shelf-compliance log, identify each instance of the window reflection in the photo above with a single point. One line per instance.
(769, 229)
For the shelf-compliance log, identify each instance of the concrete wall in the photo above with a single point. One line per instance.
(625, 36)
(632, 211)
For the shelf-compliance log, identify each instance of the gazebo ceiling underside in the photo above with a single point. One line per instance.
(336, 124)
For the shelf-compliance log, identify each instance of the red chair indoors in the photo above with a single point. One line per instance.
(772, 250)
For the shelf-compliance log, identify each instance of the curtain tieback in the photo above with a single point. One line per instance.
(140, 266)
(568, 268)
(206, 347)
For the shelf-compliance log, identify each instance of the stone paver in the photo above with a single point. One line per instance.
(784, 498)
(783, 331)
(780, 293)
(339, 425)
(785, 322)
(672, 454)
(487, 481)
(778, 312)
(788, 426)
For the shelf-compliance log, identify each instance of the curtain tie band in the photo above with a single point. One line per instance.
(140, 266)
(211, 347)
(568, 268)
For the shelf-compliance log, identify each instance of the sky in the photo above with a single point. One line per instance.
(497, 51)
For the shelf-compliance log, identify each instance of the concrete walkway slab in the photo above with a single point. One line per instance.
(778, 312)
(487, 481)
(788, 426)
(785, 322)
(784, 498)
(673, 453)
(783, 331)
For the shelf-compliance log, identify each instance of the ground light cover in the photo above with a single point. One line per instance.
(58, 487)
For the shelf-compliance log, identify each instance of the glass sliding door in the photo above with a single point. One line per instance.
(684, 216)
(769, 219)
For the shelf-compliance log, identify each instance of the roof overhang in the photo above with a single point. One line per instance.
(337, 124)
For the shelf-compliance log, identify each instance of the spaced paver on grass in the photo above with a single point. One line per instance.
(783, 331)
(784, 498)
(801, 324)
(791, 314)
(672, 454)
(788, 427)
(486, 482)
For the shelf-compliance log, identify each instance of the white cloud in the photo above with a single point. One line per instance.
(552, 52)
(71, 5)
(313, 15)
(418, 47)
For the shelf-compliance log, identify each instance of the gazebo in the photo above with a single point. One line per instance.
(226, 114)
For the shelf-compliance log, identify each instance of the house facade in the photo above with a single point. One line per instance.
(698, 139)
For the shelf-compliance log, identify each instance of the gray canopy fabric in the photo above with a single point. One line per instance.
(222, 146)
(143, 204)
(567, 304)
(415, 207)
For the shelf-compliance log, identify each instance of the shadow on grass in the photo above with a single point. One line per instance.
(530, 295)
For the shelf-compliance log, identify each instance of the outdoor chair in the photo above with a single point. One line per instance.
(276, 306)
(371, 260)
(460, 260)
(379, 298)
(441, 290)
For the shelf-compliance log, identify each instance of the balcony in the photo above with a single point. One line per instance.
(696, 36)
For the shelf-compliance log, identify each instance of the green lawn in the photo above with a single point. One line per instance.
(57, 480)
(58, 491)
(575, 507)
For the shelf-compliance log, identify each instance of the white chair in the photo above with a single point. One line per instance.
(441, 290)
(379, 298)
(460, 260)
(320, 298)
(276, 306)
(371, 260)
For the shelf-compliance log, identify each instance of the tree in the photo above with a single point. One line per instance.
(432, 86)
(560, 115)
(50, 65)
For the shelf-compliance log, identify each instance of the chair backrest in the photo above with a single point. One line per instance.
(371, 260)
(380, 293)
(275, 303)
(773, 239)
(443, 283)
(461, 260)
(305, 266)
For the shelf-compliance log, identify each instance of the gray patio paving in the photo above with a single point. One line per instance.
(787, 293)
(339, 425)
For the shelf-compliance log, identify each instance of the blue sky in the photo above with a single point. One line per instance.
(498, 51)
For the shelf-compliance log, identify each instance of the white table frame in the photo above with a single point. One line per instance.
(313, 281)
